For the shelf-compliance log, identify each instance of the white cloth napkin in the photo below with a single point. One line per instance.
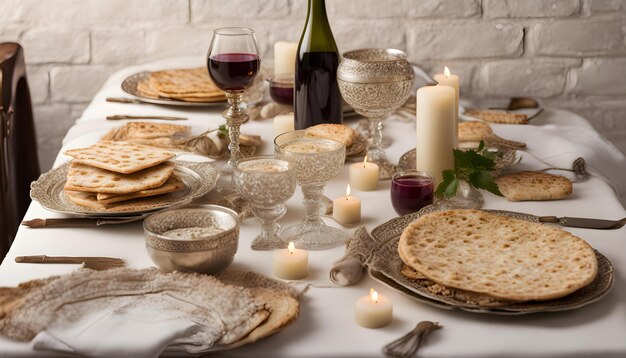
(557, 140)
(134, 331)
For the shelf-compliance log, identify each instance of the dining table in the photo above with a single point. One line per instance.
(326, 326)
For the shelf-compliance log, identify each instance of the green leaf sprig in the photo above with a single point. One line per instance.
(473, 166)
(222, 131)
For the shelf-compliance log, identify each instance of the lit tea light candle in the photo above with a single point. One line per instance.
(347, 209)
(291, 263)
(448, 79)
(283, 123)
(285, 57)
(373, 310)
(364, 176)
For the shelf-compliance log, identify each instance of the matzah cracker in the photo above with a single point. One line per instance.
(86, 178)
(495, 116)
(171, 185)
(190, 82)
(120, 157)
(434, 288)
(200, 99)
(473, 131)
(89, 200)
(523, 186)
(499, 256)
(150, 130)
(144, 89)
(338, 132)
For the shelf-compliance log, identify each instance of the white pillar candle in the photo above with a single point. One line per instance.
(347, 209)
(285, 57)
(448, 79)
(364, 176)
(373, 310)
(436, 128)
(283, 123)
(291, 263)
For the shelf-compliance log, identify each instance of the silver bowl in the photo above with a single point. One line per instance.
(202, 238)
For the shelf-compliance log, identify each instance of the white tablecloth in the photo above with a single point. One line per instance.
(325, 327)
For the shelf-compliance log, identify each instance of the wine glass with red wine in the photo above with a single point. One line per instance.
(233, 62)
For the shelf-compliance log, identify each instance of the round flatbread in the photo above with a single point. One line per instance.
(524, 186)
(499, 256)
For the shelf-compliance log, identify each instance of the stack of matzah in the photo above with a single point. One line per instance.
(498, 258)
(113, 174)
(189, 85)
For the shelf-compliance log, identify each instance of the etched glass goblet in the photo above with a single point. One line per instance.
(375, 82)
(267, 183)
(316, 162)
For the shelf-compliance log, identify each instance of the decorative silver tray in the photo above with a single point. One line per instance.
(359, 144)
(505, 158)
(385, 266)
(198, 178)
(130, 86)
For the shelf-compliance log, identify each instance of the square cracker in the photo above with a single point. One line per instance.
(173, 184)
(497, 116)
(120, 157)
(86, 178)
(150, 130)
(89, 200)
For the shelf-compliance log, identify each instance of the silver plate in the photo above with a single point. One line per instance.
(130, 86)
(198, 179)
(359, 144)
(505, 158)
(386, 267)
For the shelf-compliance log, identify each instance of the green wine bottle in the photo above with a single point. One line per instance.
(317, 99)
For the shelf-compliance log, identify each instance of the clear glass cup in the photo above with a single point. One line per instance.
(267, 183)
(317, 161)
(411, 190)
(233, 62)
(282, 88)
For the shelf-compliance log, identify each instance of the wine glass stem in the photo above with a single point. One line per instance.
(311, 201)
(234, 118)
(268, 218)
(374, 150)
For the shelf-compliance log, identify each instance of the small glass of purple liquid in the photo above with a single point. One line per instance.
(281, 87)
(411, 190)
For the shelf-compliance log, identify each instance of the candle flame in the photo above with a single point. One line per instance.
(446, 71)
(374, 295)
(364, 161)
(347, 191)
(291, 247)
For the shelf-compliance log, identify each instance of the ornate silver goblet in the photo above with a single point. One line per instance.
(375, 82)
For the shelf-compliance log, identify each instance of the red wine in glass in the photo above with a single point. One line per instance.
(233, 71)
(282, 95)
(281, 88)
(411, 191)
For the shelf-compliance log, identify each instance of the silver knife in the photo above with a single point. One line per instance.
(585, 223)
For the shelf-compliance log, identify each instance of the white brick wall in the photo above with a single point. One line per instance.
(570, 53)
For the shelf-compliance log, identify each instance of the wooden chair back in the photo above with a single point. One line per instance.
(19, 163)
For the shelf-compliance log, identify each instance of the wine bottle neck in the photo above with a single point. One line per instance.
(317, 9)
(317, 35)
